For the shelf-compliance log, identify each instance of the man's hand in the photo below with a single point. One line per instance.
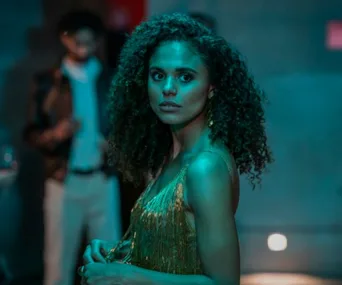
(65, 129)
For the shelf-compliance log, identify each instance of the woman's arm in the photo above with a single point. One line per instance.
(209, 193)
(139, 276)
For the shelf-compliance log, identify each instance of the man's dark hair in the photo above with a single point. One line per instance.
(74, 21)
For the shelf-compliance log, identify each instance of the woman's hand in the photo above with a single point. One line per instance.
(97, 251)
(104, 274)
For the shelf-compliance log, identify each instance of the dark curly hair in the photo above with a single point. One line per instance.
(140, 143)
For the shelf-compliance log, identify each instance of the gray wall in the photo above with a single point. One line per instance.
(16, 27)
(283, 42)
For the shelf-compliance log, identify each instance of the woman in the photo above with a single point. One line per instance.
(186, 113)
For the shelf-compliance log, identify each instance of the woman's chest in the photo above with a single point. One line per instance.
(166, 209)
(165, 182)
(163, 219)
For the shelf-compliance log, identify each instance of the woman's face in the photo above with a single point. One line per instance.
(178, 83)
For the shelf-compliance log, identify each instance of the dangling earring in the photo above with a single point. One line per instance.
(210, 106)
(210, 118)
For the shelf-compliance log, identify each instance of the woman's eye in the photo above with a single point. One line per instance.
(186, 77)
(157, 76)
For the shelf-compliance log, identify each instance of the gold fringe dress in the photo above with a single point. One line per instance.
(160, 235)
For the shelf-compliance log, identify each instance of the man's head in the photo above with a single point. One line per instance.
(79, 32)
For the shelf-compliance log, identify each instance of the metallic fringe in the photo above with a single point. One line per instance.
(161, 238)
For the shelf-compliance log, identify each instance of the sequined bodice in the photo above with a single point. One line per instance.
(161, 237)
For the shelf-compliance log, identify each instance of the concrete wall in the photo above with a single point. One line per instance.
(16, 28)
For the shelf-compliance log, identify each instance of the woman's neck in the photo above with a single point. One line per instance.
(190, 138)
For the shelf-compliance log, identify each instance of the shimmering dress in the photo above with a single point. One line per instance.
(160, 234)
(161, 237)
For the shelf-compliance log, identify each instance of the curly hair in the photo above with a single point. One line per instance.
(140, 143)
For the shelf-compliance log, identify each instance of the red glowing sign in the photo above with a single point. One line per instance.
(125, 13)
(334, 35)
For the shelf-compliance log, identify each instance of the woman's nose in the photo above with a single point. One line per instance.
(169, 88)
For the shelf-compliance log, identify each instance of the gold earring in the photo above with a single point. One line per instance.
(211, 94)
(210, 114)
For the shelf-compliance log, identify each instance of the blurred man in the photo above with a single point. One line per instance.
(81, 191)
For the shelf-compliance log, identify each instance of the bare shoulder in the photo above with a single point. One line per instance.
(211, 174)
(216, 161)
